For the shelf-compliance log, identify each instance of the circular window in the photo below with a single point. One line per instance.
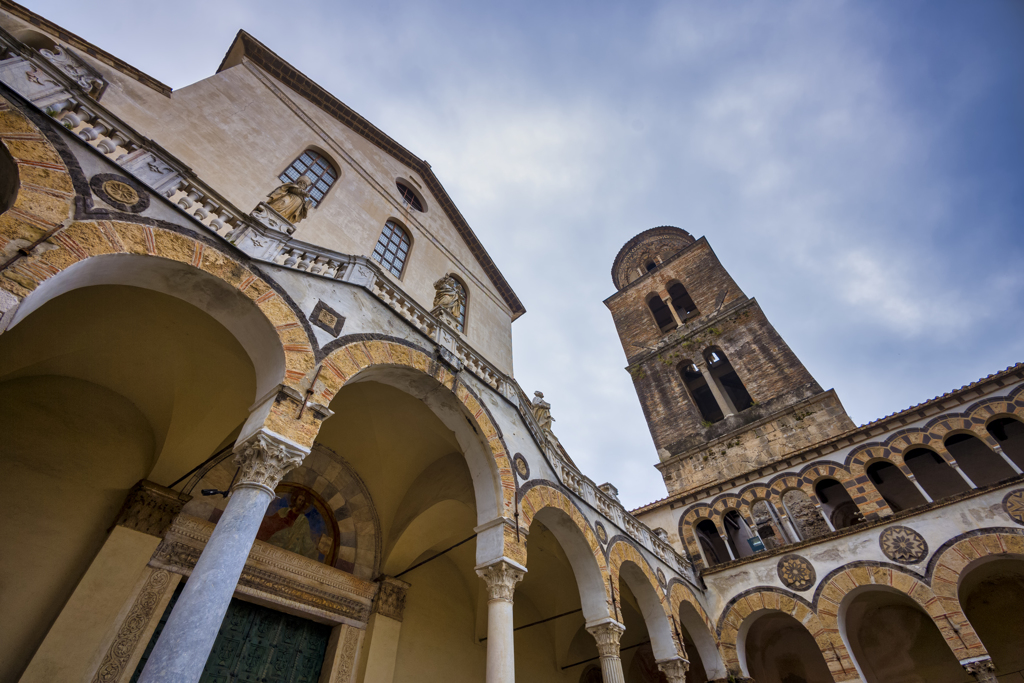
(409, 197)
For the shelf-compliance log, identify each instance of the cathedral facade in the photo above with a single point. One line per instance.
(260, 419)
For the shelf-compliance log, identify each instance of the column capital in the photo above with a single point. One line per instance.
(607, 633)
(501, 578)
(151, 508)
(264, 458)
(390, 600)
(981, 669)
(674, 669)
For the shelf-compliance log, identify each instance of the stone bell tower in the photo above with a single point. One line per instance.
(722, 392)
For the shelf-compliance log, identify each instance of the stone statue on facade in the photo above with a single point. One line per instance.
(447, 296)
(542, 412)
(291, 200)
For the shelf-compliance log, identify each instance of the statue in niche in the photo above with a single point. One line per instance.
(291, 200)
(448, 296)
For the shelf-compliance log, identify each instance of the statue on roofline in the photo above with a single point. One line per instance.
(292, 200)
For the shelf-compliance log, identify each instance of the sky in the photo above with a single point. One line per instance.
(858, 167)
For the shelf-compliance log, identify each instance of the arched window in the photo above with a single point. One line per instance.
(681, 301)
(897, 491)
(722, 372)
(662, 316)
(1010, 435)
(409, 196)
(937, 478)
(700, 392)
(392, 248)
(463, 304)
(315, 167)
(711, 543)
(836, 504)
(979, 462)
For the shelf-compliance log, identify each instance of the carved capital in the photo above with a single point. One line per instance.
(674, 669)
(264, 460)
(501, 578)
(982, 670)
(150, 508)
(607, 635)
(390, 600)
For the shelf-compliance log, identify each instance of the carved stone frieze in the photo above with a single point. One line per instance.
(151, 508)
(129, 635)
(390, 600)
(607, 634)
(84, 76)
(501, 579)
(263, 461)
(273, 574)
(346, 658)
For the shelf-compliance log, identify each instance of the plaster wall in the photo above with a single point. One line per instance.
(937, 526)
(252, 127)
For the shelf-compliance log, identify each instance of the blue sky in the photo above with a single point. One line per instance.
(857, 166)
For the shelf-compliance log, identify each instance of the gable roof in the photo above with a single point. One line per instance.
(260, 55)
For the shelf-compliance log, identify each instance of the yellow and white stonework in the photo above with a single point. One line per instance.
(243, 444)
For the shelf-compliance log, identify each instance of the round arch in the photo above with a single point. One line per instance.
(626, 563)
(397, 363)
(579, 542)
(694, 619)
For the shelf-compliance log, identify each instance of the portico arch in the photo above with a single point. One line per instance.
(626, 563)
(694, 621)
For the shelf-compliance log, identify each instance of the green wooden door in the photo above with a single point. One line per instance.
(258, 645)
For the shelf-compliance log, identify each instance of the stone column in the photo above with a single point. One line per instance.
(963, 475)
(916, 483)
(1002, 454)
(828, 522)
(607, 633)
(674, 669)
(384, 629)
(672, 309)
(501, 578)
(188, 636)
(728, 547)
(794, 533)
(728, 409)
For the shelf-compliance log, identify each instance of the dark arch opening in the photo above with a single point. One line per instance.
(701, 393)
(681, 301)
(9, 179)
(992, 595)
(897, 491)
(722, 372)
(711, 543)
(978, 461)
(1010, 435)
(779, 649)
(739, 534)
(651, 265)
(836, 503)
(662, 315)
(934, 475)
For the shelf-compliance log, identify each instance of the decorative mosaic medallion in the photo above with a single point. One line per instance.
(796, 573)
(522, 467)
(326, 318)
(661, 577)
(904, 545)
(602, 534)
(1014, 505)
(124, 194)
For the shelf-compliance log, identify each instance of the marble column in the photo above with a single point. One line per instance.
(188, 636)
(607, 633)
(1002, 454)
(915, 482)
(501, 578)
(674, 669)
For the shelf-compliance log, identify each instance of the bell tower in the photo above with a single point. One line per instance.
(722, 392)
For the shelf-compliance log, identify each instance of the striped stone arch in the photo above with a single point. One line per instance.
(986, 410)
(863, 493)
(696, 513)
(944, 425)
(862, 456)
(723, 504)
(778, 600)
(944, 611)
(783, 483)
(700, 627)
(955, 560)
(622, 551)
(346, 361)
(541, 496)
